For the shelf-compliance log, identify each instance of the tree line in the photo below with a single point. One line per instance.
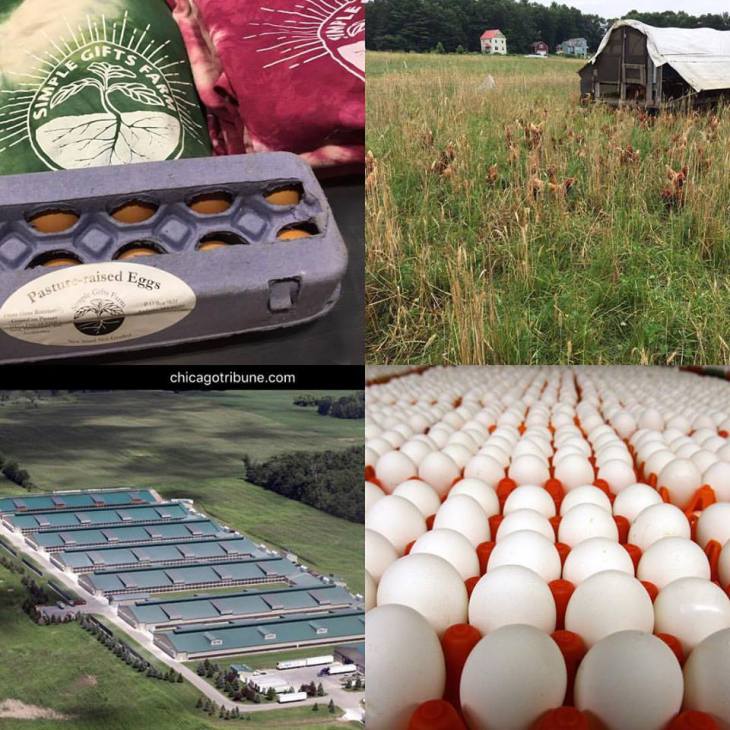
(12, 471)
(347, 406)
(326, 480)
(456, 25)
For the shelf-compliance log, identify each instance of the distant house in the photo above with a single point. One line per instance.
(540, 48)
(494, 41)
(577, 47)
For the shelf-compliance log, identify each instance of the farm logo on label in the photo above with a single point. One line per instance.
(313, 30)
(99, 317)
(95, 304)
(107, 96)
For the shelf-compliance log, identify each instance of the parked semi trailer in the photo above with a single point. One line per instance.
(291, 697)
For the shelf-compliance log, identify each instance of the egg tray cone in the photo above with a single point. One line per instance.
(261, 281)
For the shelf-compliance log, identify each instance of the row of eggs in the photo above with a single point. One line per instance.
(462, 438)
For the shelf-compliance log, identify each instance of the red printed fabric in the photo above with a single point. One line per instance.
(280, 75)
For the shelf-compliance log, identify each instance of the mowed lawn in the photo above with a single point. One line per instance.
(476, 252)
(190, 445)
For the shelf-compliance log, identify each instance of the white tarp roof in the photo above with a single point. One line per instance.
(701, 56)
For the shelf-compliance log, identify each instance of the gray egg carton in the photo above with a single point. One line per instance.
(264, 283)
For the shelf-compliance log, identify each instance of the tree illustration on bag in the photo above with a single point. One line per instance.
(113, 136)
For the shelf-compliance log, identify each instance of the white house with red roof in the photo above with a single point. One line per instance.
(494, 41)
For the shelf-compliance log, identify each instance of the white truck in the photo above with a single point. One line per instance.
(291, 697)
(292, 664)
(339, 669)
(312, 661)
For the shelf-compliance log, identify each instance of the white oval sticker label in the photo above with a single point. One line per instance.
(95, 304)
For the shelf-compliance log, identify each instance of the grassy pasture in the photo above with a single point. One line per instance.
(472, 258)
(190, 445)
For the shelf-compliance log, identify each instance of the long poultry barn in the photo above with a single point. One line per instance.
(650, 67)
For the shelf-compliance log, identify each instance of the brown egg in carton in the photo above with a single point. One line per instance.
(274, 254)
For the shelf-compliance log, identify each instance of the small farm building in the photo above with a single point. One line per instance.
(655, 67)
(577, 47)
(494, 41)
(540, 48)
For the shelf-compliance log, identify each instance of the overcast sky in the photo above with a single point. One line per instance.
(615, 8)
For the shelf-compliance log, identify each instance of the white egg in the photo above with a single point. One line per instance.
(585, 494)
(632, 500)
(691, 609)
(617, 474)
(439, 470)
(396, 519)
(498, 694)
(672, 558)
(630, 681)
(594, 556)
(478, 490)
(400, 645)
(370, 591)
(420, 494)
(379, 554)
(459, 454)
(372, 494)
(393, 468)
(681, 478)
(530, 497)
(511, 594)
(529, 549)
(624, 424)
(608, 602)
(525, 519)
(371, 457)
(573, 471)
(416, 450)
(463, 514)
(714, 524)
(429, 585)
(651, 418)
(707, 678)
(657, 461)
(723, 566)
(658, 521)
(453, 547)
(585, 521)
(717, 476)
(528, 469)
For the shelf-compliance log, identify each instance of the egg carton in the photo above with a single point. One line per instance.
(251, 274)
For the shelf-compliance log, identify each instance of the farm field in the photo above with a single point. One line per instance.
(189, 445)
(82, 686)
(507, 223)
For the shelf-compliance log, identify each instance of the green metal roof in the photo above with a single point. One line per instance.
(88, 498)
(242, 635)
(143, 554)
(182, 577)
(237, 604)
(78, 518)
(83, 536)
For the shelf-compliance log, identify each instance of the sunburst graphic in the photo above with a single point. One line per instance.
(312, 30)
(107, 65)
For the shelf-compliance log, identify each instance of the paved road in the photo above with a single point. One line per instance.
(348, 701)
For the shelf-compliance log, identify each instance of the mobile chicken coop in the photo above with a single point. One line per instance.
(652, 67)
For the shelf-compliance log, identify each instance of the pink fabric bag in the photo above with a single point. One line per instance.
(280, 75)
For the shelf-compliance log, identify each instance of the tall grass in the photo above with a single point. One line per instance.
(472, 258)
